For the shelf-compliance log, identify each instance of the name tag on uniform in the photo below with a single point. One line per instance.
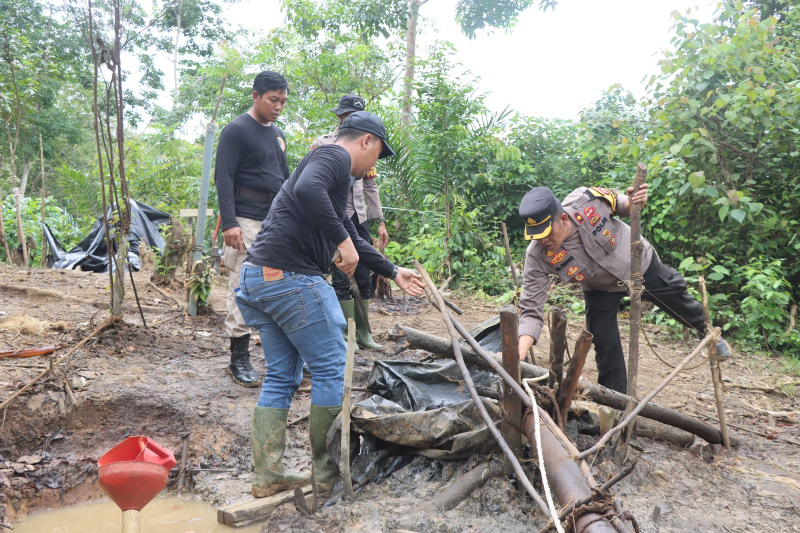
(271, 274)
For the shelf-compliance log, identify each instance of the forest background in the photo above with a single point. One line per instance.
(717, 130)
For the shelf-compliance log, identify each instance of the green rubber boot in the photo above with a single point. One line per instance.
(269, 442)
(363, 336)
(349, 310)
(320, 420)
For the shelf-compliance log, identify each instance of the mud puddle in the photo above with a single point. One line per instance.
(167, 514)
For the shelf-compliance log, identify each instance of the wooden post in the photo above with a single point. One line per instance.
(509, 426)
(184, 449)
(558, 343)
(567, 389)
(347, 397)
(636, 280)
(716, 373)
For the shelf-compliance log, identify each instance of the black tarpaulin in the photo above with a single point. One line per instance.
(91, 254)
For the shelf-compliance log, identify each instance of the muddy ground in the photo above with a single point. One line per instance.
(167, 379)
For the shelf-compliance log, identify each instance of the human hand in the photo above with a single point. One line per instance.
(639, 198)
(525, 344)
(348, 257)
(383, 235)
(410, 281)
(233, 238)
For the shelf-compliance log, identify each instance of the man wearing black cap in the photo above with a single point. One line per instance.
(283, 294)
(249, 171)
(361, 212)
(580, 241)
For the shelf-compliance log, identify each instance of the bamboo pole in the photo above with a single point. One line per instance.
(636, 280)
(716, 373)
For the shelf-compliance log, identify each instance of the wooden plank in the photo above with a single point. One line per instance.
(254, 510)
(189, 213)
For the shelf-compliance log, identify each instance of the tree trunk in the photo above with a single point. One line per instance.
(124, 209)
(411, 52)
(44, 241)
(175, 55)
(447, 225)
(636, 281)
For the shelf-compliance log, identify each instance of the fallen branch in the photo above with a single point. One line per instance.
(103, 325)
(767, 436)
(166, 294)
(415, 339)
(768, 412)
(521, 477)
(646, 399)
(762, 388)
(33, 291)
(460, 489)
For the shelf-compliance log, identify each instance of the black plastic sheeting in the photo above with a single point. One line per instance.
(416, 409)
(91, 254)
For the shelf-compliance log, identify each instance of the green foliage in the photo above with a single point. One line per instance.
(69, 233)
(200, 284)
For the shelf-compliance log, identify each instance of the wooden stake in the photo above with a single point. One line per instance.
(636, 280)
(184, 449)
(512, 405)
(558, 344)
(344, 453)
(716, 372)
(567, 389)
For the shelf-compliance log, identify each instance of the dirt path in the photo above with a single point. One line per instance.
(168, 379)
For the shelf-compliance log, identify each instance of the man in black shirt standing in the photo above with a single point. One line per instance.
(284, 295)
(250, 169)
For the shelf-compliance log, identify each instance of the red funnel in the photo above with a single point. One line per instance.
(134, 471)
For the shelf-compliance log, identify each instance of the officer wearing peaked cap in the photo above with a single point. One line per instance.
(581, 240)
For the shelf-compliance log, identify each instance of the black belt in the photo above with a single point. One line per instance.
(254, 194)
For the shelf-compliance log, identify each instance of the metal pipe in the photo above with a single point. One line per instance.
(565, 477)
(202, 204)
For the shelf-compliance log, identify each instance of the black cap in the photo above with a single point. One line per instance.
(368, 123)
(350, 103)
(539, 208)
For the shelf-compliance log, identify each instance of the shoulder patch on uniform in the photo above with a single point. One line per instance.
(609, 196)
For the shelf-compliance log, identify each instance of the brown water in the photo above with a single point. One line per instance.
(167, 514)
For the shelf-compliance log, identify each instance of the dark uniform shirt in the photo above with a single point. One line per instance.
(309, 218)
(249, 155)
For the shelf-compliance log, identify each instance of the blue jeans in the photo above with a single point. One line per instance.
(300, 320)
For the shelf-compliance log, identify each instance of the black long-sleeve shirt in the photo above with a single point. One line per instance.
(250, 155)
(309, 218)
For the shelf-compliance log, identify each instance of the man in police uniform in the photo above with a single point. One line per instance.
(249, 171)
(580, 240)
(363, 207)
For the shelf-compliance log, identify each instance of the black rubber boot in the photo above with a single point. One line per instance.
(240, 368)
